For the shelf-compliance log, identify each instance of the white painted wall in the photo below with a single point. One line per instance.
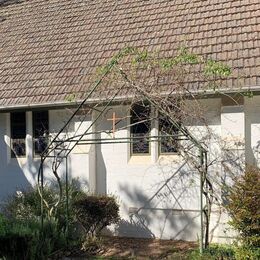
(154, 201)
(19, 173)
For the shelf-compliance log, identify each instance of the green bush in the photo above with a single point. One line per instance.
(247, 253)
(23, 211)
(244, 206)
(27, 205)
(50, 239)
(20, 226)
(26, 240)
(225, 252)
(15, 239)
(96, 212)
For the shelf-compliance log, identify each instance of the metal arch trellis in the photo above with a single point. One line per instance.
(60, 148)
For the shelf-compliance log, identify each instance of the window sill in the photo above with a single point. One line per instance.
(140, 159)
(20, 160)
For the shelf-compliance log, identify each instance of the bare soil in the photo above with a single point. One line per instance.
(140, 248)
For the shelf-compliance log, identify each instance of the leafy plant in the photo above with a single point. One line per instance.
(20, 226)
(248, 253)
(20, 239)
(91, 244)
(27, 204)
(214, 252)
(216, 68)
(244, 206)
(96, 212)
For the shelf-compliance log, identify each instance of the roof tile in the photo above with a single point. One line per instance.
(46, 46)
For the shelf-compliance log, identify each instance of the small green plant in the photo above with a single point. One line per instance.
(216, 68)
(214, 252)
(91, 244)
(71, 97)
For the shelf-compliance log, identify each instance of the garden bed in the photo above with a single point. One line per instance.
(139, 248)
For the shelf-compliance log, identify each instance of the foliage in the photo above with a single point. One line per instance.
(23, 211)
(91, 244)
(49, 240)
(96, 212)
(26, 205)
(151, 60)
(21, 227)
(248, 253)
(225, 252)
(244, 206)
(214, 252)
(71, 97)
(216, 68)
(21, 239)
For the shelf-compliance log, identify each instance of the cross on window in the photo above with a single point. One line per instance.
(114, 120)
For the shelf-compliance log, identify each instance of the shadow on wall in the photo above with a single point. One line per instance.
(136, 227)
(12, 179)
(163, 212)
(16, 174)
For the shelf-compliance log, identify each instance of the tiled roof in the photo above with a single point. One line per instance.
(48, 49)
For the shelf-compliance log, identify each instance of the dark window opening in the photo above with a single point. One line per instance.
(18, 134)
(40, 131)
(169, 135)
(140, 129)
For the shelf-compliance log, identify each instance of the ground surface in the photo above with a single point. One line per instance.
(137, 248)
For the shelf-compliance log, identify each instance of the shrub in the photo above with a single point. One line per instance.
(96, 212)
(49, 240)
(15, 239)
(248, 253)
(21, 228)
(26, 240)
(27, 205)
(23, 211)
(244, 206)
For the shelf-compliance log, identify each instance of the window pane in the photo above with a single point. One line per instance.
(18, 134)
(169, 132)
(140, 128)
(40, 131)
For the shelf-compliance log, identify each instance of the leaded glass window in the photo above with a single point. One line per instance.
(40, 131)
(169, 136)
(18, 134)
(140, 128)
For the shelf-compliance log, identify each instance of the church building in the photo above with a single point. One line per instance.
(50, 52)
